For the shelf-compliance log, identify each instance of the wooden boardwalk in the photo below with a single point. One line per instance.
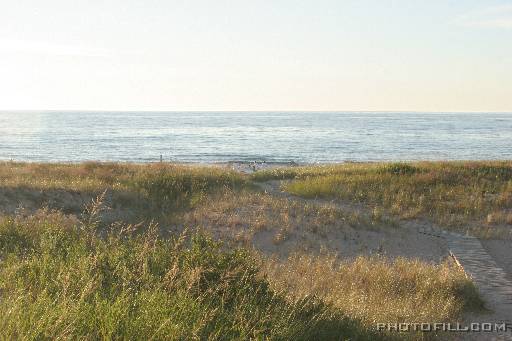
(492, 281)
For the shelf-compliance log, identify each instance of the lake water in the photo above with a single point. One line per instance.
(249, 136)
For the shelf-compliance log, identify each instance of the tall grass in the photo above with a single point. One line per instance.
(377, 290)
(79, 276)
(60, 280)
(453, 194)
(182, 186)
(134, 186)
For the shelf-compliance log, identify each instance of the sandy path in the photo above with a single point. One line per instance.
(492, 278)
(404, 241)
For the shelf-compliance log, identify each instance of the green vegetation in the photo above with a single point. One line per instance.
(96, 176)
(461, 195)
(131, 265)
(134, 192)
(59, 279)
(180, 186)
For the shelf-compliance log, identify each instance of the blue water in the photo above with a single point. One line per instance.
(243, 136)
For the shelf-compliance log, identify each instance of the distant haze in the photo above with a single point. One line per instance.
(256, 55)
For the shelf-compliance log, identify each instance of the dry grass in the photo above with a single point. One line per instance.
(461, 195)
(92, 275)
(98, 176)
(248, 217)
(133, 191)
(376, 290)
(59, 279)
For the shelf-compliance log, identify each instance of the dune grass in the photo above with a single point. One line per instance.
(136, 190)
(60, 280)
(247, 217)
(74, 274)
(162, 181)
(462, 195)
(375, 289)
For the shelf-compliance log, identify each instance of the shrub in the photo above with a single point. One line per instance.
(399, 169)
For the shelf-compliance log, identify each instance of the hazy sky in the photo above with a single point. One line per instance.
(256, 55)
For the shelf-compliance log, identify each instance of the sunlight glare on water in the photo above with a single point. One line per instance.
(247, 136)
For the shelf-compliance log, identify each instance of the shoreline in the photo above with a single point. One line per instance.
(257, 161)
(250, 165)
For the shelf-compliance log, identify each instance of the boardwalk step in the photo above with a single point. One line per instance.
(491, 280)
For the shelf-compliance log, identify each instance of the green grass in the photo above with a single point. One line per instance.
(134, 192)
(161, 181)
(59, 279)
(181, 186)
(461, 195)
(98, 273)
(286, 173)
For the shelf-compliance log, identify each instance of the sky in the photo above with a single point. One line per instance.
(316, 55)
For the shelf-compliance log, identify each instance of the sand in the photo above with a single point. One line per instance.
(406, 240)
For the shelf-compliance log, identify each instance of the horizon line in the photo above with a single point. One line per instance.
(262, 111)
